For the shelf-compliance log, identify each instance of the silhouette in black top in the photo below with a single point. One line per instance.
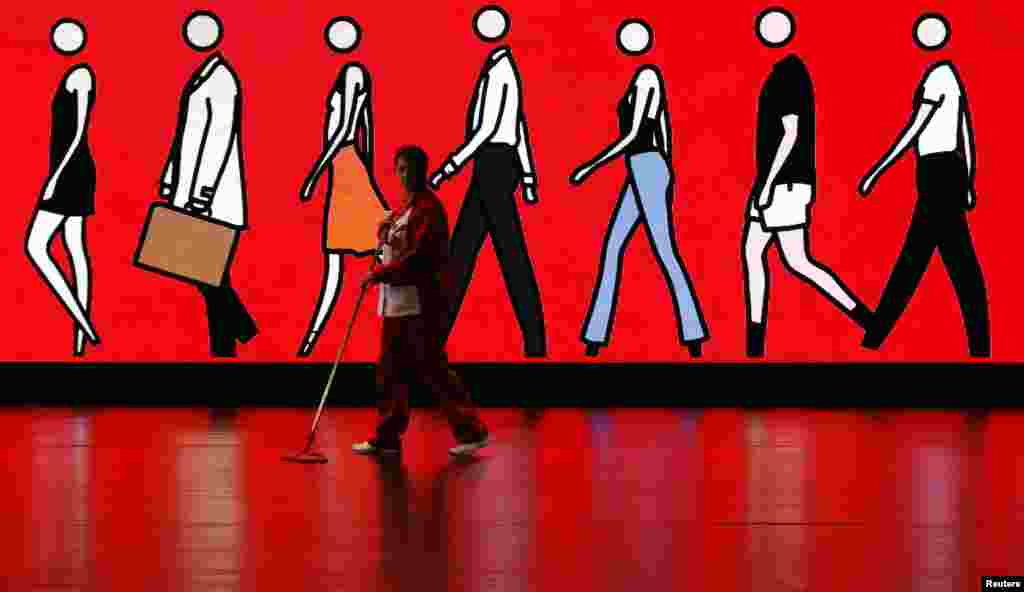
(646, 136)
(75, 190)
(788, 91)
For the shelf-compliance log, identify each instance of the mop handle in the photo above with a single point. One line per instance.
(341, 350)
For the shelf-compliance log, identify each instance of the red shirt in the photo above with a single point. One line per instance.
(423, 259)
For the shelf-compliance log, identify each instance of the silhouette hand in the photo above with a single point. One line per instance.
(765, 198)
(307, 191)
(579, 175)
(867, 184)
(49, 190)
(437, 179)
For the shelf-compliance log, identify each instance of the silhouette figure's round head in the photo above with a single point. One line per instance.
(775, 27)
(491, 23)
(343, 34)
(931, 32)
(68, 37)
(634, 37)
(203, 31)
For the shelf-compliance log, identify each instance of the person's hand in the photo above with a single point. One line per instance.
(530, 194)
(307, 190)
(867, 184)
(49, 189)
(580, 175)
(764, 199)
(442, 174)
(200, 204)
(972, 200)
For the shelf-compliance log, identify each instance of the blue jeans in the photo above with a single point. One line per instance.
(646, 197)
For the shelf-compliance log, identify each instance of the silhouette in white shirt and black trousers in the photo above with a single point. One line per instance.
(943, 137)
(204, 172)
(498, 142)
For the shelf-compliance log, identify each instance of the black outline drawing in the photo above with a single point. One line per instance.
(641, 204)
(216, 20)
(936, 224)
(771, 10)
(499, 169)
(758, 236)
(53, 211)
(201, 203)
(931, 16)
(352, 91)
(492, 8)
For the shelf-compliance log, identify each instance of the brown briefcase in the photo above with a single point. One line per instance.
(184, 246)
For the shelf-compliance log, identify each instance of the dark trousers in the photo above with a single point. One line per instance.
(939, 221)
(227, 317)
(412, 353)
(490, 208)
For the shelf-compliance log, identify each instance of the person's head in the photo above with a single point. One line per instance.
(491, 23)
(203, 31)
(343, 34)
(68, 37)
(411, 168)
(931, 32)
(775, 27)
(634, 37)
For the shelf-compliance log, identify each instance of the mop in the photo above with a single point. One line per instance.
(308, 455)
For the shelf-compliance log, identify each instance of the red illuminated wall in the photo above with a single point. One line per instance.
(424, 59)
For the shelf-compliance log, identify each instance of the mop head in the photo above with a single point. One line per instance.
(305, 457)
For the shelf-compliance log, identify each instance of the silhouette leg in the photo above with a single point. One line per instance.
(44, 226)
(961, 261)
(910, 267)
(624, 223)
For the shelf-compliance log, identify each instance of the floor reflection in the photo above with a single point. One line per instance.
(62, 524)
(211, 513)
(782, 500)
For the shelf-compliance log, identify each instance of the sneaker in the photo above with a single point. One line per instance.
(465, 448)
(371, 447)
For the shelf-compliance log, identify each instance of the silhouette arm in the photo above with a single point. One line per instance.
(922, 115)
(353, 101)
(791, 130)
(642, 97)
(222, 110)
(494, 97)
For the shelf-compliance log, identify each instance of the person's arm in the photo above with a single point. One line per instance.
(222, 110)
(167, 179)
(412, 263)
(643, 95)
(365, 114)
(970, 156)
(791, 128)
(80, 83)
(526, 162)
(666, 132)
(493, 97)
(354, 98)
(930, 96)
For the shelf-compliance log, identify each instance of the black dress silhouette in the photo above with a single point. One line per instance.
(74, 194)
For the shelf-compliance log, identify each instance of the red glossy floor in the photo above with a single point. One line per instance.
(193, 499)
